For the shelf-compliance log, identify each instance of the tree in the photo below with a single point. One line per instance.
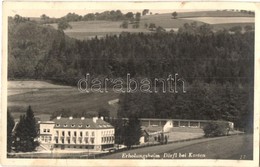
(119, 130)
(20, 143)
(103, 112)
(174, 14)
(145, 11)
(136, 25)
(236, 29)
(248, 28)
(63, 25)
(152, 26)
(124, 24)
(214, 129)
(89, 16)
(129, 15)
(62, 112)
(26, 132)
(132, 132)
(10, 126)
(160, 29)
(20, 19)
(44, 17)
(138, 16)
(145, 25)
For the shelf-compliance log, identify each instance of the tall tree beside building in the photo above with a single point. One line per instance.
(10, 126)
(26, 132)
(132, 132)
(32, 128)
(20, 142)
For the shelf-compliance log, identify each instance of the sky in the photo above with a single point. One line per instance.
(62, 12)
(59, 9)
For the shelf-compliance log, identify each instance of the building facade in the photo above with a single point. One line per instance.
(76, 133)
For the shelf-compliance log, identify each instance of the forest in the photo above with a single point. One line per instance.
(218, 67)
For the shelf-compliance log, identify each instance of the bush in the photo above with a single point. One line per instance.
(214, 129)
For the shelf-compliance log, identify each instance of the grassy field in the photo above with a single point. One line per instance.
(90, 29)
(216, 13)
(223, 20)
(46, 98)
(231, 147)
(219, 19)
(229, 25)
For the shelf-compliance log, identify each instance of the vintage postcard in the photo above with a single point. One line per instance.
(130, 84)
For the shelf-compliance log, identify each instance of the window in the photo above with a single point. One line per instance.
(93, 133)
(48, 130)
(44, 130)
(92, 140)
(87, 126)
(68, 133)
(62, 134)
(80, 126)
(65, 125)
(86, 133)
(75, 133)
(80, 134)
(86, 139)
(57, 125)
(73, 125)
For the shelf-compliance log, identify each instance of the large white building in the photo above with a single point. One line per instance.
(76, 133)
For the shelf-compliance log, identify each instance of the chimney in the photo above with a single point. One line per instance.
(58, 117)
(82, 118)
(70, 117)
(102, 118)
(95, 119)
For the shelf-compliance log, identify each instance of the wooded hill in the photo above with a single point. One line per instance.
(215, 66)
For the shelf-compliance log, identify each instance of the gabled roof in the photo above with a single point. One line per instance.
(78, 123)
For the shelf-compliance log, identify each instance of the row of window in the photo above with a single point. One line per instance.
(87, 126)
(107, 132)
(81, 147)
(107, 139)
(75, 141)
(75, 133)
(72, 125)
(46, 130)
(46, 139)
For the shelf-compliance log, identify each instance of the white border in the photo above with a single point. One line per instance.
(10, 7)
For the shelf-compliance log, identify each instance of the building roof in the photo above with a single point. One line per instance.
(81, 123)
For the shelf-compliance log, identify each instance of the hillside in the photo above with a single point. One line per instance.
(28, 44)
(46, 98)
(219, 64)
(89, 29)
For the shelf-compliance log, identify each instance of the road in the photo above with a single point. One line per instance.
(228, 147)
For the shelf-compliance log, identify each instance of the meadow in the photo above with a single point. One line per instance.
(85, 30)
(46, 98)
(223, 20)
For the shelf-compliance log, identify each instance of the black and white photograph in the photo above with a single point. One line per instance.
(156, 84)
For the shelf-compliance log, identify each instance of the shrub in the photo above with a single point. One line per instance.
(214, 129)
